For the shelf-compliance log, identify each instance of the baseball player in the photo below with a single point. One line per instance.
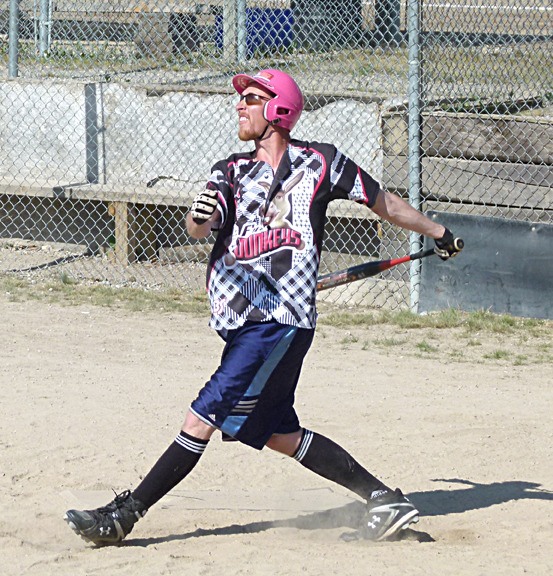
(267, 208)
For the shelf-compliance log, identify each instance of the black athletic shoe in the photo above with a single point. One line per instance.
(387, 515)
(108, 524)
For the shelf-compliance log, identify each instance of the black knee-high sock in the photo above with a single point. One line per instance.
(173, 466)
(327, 459)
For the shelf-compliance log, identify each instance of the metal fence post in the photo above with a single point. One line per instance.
(241, 31)
(414, 127)
(13, 48)
(234, 31)
(44, 28)
(229, 30)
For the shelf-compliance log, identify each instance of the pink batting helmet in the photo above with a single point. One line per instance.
(287, 105)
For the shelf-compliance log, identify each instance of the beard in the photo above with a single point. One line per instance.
(247, 133)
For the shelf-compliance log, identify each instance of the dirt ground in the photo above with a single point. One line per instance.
(90, 397)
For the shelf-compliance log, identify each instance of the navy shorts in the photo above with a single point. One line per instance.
(251, 395)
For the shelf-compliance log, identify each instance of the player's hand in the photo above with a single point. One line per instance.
(204, 206)
(448, 246)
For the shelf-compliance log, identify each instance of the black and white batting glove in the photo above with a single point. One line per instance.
(447, 246)
(204, 206)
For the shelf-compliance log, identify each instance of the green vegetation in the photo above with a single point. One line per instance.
(520, 360)
(68, 292)
(451, 335)
(389, 342)
(349, 339)
(473, 322)
(498, 355)
(424, 346)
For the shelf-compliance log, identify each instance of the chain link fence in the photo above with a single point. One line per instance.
(112, 113)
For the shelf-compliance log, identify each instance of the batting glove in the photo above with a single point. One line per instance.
(204, 206)
(447, 246)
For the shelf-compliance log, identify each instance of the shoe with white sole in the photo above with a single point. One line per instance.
(387, 515)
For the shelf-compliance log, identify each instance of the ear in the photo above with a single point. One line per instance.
(295, 180)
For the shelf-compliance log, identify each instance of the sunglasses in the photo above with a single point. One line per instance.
(253, 99)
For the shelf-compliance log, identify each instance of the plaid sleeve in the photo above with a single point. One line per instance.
(350, 182)
(221, 181)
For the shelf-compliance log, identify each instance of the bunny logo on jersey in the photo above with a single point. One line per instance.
(276, 231)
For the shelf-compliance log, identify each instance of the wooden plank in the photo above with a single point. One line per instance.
(132, 207)
(113, 7)
(176, 194)
(395, 175)
(163, 194)
(520, 214)
(134, 210)
(498, 138)
(520, 185)
(123, 214)
(472, 181)
(39, 190)
(160, 35)
(498, 17)
(135, 236)
(349, 209)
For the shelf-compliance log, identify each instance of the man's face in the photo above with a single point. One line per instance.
(251, 122)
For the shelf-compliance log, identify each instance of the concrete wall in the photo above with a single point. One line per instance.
(60, 133)
(42, 132)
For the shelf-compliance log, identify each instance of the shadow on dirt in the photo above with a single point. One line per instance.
(439, 502)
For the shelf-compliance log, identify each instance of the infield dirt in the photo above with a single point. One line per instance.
(90, 397)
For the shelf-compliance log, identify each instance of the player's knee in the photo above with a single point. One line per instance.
(197, 428)
(285, 443)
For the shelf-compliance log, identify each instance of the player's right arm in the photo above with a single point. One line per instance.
(209, 208)
(200, 221)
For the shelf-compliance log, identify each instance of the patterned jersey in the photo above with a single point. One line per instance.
(265, 260)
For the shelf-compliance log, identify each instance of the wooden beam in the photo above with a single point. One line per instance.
(490, 137)
(474, 181)
(123, 214)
